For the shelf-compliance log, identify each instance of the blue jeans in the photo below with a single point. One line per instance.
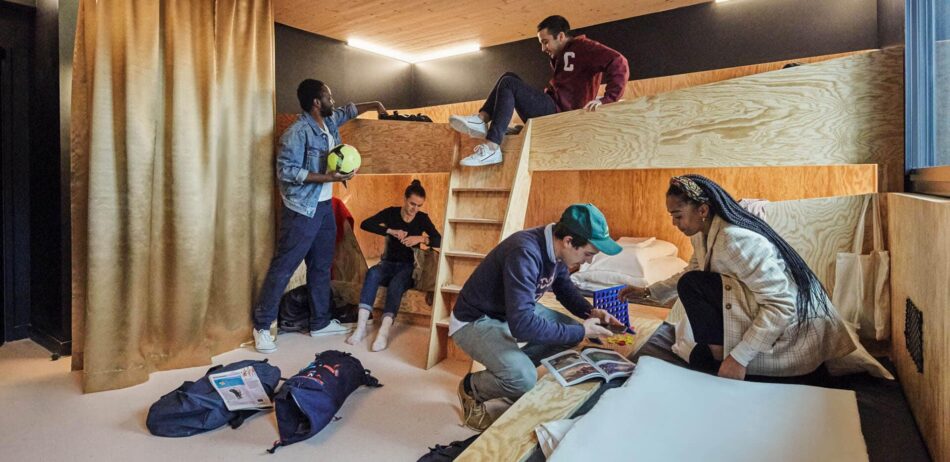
(396, 276)
(513, 94)
(312, 240)
(510, 371)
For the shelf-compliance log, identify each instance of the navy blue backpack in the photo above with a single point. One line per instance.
(195, 407)
(308, 401)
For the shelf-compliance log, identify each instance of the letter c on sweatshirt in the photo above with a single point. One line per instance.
(567, 57)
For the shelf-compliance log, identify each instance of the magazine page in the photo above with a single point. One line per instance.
(240, 389)
(570, 368)
(609, 362)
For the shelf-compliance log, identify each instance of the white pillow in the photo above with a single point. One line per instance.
(643, 261)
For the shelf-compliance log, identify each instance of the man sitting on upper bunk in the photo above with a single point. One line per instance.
(752, 303)
(498, 307)
(578, 64)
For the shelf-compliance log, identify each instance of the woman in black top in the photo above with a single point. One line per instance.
(405, 228)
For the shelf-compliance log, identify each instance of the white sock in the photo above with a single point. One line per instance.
(382, 337)
(360, 332)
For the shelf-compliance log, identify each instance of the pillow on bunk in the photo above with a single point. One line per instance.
(642, 262)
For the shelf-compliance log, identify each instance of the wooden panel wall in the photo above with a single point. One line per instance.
(818, 229)
(634, 201)
(843, 111)
(920, 270)
(366, 195)
(389, 147)
(635, 88)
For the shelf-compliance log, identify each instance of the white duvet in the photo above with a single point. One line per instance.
(669, 413)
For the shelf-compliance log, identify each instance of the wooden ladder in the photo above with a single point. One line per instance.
(484, 206)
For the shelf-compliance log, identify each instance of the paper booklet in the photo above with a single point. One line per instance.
(570, 367)
(240, 389)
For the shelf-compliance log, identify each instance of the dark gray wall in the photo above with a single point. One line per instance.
(890, 23)
(698, 38)
(16, 75)
(353, 75)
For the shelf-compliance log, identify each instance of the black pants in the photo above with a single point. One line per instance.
(701, 295)
(513, 94)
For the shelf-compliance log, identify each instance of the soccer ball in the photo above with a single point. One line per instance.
(344, 159)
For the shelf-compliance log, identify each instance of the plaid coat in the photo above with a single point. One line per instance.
(760, 324)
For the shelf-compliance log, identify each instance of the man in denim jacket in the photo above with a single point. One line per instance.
(307, 227)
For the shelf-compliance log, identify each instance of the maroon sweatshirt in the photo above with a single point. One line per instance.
(577, 74)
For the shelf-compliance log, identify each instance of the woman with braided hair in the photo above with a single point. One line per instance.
(752, 303)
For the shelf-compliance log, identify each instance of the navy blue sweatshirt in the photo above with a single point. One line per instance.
(511, 279)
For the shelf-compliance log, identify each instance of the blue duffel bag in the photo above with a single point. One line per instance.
(196, 407)
(308, 401)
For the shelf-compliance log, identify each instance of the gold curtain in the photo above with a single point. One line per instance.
(172, 182)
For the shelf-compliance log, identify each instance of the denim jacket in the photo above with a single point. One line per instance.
(303, 149)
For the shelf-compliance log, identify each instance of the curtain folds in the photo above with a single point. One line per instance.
(172, 182)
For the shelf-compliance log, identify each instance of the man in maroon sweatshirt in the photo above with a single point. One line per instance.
(578, 64)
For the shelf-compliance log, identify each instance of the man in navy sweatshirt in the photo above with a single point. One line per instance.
(579, 65)
(498, 307)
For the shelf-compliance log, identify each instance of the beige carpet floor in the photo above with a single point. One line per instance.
(45, 417)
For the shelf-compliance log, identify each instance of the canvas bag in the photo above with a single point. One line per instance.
(862, 286)
(426, 269)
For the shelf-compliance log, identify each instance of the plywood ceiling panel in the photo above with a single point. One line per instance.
(428, 25)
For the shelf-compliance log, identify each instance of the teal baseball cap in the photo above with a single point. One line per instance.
(588, 222)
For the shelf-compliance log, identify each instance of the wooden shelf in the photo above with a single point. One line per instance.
(482, 190)
(477, 221)
(460, 254)
(451, 288)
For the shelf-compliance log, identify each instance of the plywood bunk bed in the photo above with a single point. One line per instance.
(813, 139)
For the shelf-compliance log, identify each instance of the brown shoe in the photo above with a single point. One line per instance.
(474, 414)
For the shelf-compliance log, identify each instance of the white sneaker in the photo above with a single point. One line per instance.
(484, 154)
(264, 342)
(334, 328)
(469, 125)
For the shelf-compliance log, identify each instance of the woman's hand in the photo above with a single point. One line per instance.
(397, 233)
(412, 241)
(633, 291)
(731, 369)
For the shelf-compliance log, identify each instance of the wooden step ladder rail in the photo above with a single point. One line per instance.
(474, 224)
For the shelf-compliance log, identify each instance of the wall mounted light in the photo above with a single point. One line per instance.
(414, 58)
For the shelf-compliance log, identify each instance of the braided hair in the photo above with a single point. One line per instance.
(812, 298)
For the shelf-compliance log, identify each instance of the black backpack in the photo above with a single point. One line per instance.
(407, 118)
(293, 314)
(308, 401)
(448, 453)
(196, 407)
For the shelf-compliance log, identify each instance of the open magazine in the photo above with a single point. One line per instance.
(240, 389)
(570, 367)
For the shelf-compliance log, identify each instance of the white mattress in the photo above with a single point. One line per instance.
(669, 413)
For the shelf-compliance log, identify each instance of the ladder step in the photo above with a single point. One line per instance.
(482, 190)
(460, 254)
(452, 288)
(477, 221)
(443, 323)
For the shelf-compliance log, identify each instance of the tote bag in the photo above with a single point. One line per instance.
(862, 285)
